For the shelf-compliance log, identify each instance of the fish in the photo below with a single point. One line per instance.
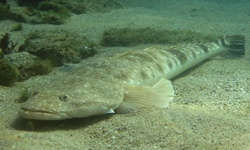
(123, 83)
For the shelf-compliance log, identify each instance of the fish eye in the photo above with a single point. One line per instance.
(63, 98)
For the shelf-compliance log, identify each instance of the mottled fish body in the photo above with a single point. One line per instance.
(123, 83)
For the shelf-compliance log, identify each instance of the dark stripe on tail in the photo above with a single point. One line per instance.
(182, 57)
(235, 44)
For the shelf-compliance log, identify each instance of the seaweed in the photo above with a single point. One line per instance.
(77, 7)
(31, 3)
(132, 37)
(1, 54)
(102, 5)
(51, 11)
(4, 2)
(39, 67)
(4, 11)
(7, 13)
(6, 45)
(26, 94)
(58, 46)
(17, 27)
(8, 73)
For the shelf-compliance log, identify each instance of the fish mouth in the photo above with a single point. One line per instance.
(41, 114)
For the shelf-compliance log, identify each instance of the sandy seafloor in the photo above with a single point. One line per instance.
(211, 109)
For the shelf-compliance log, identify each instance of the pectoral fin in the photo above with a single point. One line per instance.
(158, 95)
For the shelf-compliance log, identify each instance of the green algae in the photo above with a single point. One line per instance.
(39, 67)
(6, 45)
(8, 73)
(7, 13)
(17, 27)
(59, 47)
(132, 37)
(27, 93)
(29, 3)
(53, 13)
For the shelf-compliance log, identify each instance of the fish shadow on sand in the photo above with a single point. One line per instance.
(50, 125)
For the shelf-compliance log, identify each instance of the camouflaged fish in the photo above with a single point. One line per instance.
(123, 83)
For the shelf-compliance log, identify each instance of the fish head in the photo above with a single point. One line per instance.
(75, 100)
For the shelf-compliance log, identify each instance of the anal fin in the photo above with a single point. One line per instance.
(158, 95)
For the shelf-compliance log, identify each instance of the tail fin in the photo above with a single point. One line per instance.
(235, 44)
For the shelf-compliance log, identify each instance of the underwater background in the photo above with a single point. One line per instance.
(43, 39)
